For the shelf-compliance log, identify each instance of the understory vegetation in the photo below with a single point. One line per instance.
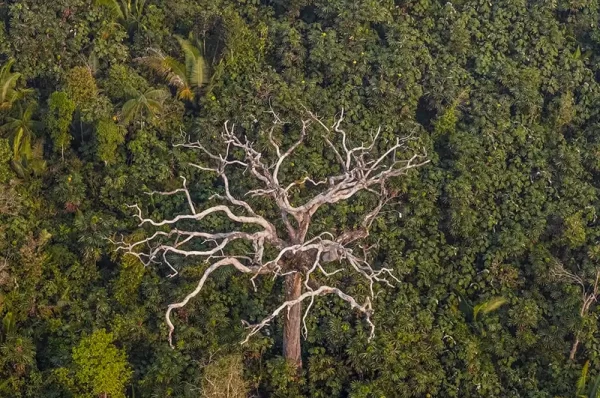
(493, 244)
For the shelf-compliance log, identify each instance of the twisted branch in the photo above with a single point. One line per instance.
(363, 169)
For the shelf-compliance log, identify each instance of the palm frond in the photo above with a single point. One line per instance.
(177, 76)
(18, 137)
(168, 68)
(11, 125)
(8, 86)
(21, 93)
(114, 7)
(129, 110)
(582, 379)
(189, 50)
(8, 83)
(491, 305)
(199, 72)
(156, 94)
(185, 76)
(594, 391)
(26, 150)
(154, 107)
(150, 101)
(8, 323)
(5, 70)
(18, 168)
(156, 61)
(139, 6)
(28, 113)
(185, 93)
(196, 68)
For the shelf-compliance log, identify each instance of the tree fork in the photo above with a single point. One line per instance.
(300, 262)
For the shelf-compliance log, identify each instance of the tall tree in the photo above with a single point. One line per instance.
(303, 257)
(60, 116)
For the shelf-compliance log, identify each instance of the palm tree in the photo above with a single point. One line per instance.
(128, 12)
(9, 94)
(186, 77)
(149, 103)
(20, 130)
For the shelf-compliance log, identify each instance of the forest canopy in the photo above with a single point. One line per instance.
(491, 245)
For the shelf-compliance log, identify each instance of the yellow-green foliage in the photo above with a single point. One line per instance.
(446, 123)
(82, 89)
(81, 85)
(132, 271)
(488, 306)
(574, 230)
(224, 378)
(60, 115)
(109, 136)
(99, 368)
(5, 156)
(566, 109)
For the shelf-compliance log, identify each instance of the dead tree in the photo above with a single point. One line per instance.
(589, 295)
(299, 257)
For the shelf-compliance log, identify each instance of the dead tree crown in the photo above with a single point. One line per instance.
(363, 168)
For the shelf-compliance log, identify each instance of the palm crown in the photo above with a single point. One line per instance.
(9, 93)
(186, 77)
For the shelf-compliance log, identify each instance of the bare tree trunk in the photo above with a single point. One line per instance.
(293, 321)
(363, 169)
(574, 349)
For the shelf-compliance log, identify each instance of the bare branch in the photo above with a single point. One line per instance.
(589, 295)
(287, 153)
(184, 190)
(363, 169)
(323, 290)
(226, 261)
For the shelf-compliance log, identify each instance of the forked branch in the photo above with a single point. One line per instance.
(589, 295)
(365, 168)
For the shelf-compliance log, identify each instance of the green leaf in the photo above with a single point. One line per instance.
(488, 306)
(582, 379)
(594, 391)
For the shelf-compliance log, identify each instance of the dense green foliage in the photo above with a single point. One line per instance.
(504, 95)
(99, 368)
